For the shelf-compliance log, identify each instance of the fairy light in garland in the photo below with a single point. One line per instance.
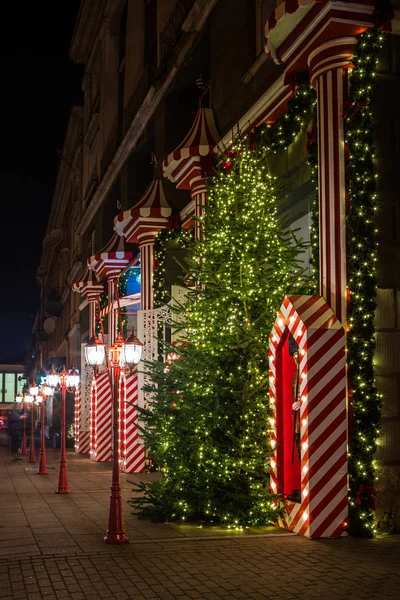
(362, 258)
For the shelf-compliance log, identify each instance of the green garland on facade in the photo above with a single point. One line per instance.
(164, 237)
(362, 257)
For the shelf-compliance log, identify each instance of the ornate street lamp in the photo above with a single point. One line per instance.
(119, 353)
(65, 380)
(46, 391)
(31, 458)
(20, 400)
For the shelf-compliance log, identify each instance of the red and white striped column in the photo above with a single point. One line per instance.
(100, 449)
(146, 247)
(132, 450)
(329, 71)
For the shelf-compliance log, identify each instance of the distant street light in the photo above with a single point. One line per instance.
(65, 380)
(31, 458)
(20, 400)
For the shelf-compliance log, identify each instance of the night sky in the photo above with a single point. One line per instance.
(40, 83)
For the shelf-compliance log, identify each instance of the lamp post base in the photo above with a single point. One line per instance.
(31, 457)
(42, 464)
(116, 538)
(116, 531)
(63, 487)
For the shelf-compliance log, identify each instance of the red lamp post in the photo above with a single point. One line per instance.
(31, 458)
(20, 400)
(46, 391)
(119, 354)
(62, 487)
(65, 380)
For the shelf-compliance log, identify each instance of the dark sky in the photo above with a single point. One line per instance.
(40, 83)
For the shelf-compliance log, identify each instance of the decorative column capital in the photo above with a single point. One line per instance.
(333, 54)
(194, 157)
(141, 223)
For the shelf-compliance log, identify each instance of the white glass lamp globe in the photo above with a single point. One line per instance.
(95, 352)
(34, 389)
(132, 350)
(53, 378)
(73, 378)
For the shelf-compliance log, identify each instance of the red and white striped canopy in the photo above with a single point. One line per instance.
(141, 223)
(198, 144)
(285, 15)
(112, 259)
(88, 285)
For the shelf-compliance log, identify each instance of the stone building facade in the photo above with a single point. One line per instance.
(141, 61)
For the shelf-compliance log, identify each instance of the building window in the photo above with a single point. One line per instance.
(8, 387)
(264, 9)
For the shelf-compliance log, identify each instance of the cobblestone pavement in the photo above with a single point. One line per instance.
(52, 547)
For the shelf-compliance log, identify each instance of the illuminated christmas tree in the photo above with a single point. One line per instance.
(208, 421)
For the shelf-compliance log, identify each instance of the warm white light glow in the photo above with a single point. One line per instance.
(132, 350)
(18, 398)
(34, 390)
(305, 469)
(273, 443)
(273, 463)
(73, 378)
(304, 445)
(47, 390)
(273, 485)
(28, 399)
(304, 422)
(95, 352)
(305, 492)
(305, 516)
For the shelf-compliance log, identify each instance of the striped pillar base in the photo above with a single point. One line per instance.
(132, 450)
(100, 450)
(323, 509)
(82, 437)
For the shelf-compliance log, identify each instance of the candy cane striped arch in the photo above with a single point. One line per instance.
(132, 450)
(323, 509)
(101, 422)
(82, 438)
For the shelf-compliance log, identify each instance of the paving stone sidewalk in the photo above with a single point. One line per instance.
(51, 546)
